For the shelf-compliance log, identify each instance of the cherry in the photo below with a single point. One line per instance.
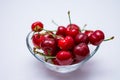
(72, 30)
(64, 58)
(81, 38)
(66, 43)
(88, 32)
(61, 31)
(81, 51)
(49, 46)
(55, 61)
(37, 39)
(97, 37)
(37, 26)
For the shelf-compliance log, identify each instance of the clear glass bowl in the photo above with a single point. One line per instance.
(57, 68)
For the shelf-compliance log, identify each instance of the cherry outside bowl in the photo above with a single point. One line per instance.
(57, 68)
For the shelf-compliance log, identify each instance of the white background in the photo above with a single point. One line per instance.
(16, 17)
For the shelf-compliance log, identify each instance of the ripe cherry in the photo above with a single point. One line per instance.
(81, 51)
(55, 61)
(97, 37)
(72, 30)
(81, 38)
(88, 32)
(37, 39)
(37, 26)
(66, 43)
(64, 58)
(61, 31)
(49, 46)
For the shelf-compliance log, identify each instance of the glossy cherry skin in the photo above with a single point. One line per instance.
(55, 61)
(66, 43)
(37, 39)
(49, 46)
(72, 30)
(88, 32)
(97, 37)
(61, 31)
(81, 51)
(81, 38)
(64, 58)
(37, 26)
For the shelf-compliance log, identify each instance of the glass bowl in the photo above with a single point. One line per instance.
(57, 68)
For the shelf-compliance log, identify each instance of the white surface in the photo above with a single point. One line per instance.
(16, 17)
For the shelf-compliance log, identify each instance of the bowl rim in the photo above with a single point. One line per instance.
(83, 61)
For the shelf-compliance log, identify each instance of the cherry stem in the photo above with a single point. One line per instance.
(69, 17)
(83, 29)
(54, 23)
(52, 35)
(49, 30)
(111, 38)
(42, 54)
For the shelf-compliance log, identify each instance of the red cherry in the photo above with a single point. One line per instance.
(37, 39)
(55, 61)
(88, 32)
(61, 31)
(49, 46)
(48, 35)
(37, 26)
(64, 58)
(72, 30)
(81, 51)
(66, 43)
(97, 37)
(81, 38)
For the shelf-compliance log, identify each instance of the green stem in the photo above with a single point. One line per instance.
(83, 29)
(54, 35)
(54, 23)
(49, 30)
(109, 38)
(69, 17)
(42, 54)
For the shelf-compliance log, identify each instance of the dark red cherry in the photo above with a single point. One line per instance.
(64, 58)
(81, 38)
(55, 61)
(49, 46)
(61, 31)
(81, 51)
(97, 37)
(88, 32)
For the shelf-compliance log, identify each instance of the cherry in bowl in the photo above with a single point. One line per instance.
(60, 68)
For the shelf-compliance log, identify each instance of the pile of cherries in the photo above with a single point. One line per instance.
(67, 45)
